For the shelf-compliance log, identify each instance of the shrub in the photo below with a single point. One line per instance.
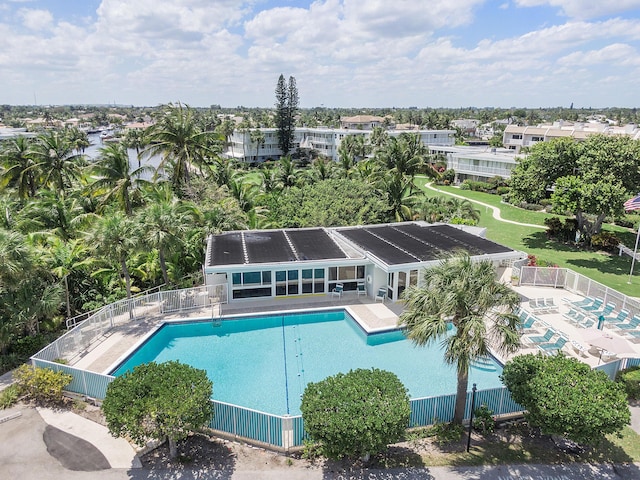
(483, 420)
(465, 186)
(42, 385)
(630, 378)
(623, 222)
(9, 396)
(605, 240)
(356, 414)
(502, 190)
(531, 206)
(448, 176)
(554, 226)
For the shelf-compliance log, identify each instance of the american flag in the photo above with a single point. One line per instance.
(632, 204)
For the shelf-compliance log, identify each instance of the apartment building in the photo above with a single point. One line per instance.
(324, 141)
(477, 163)
(515, 137)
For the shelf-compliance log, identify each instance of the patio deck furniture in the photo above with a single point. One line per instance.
(542, 338)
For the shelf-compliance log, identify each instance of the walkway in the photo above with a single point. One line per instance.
(41, 445)
(495, 210)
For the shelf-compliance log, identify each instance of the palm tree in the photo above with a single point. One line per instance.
(398, 188)
(19, 168)
(64, 258)
(60, 166)
(179, 140)
(288, 172)
(466, 294)
(113, 237)
(163, 223)
(134, 138)
(115, 179)
(257, 137)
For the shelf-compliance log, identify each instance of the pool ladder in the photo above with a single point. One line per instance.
(216, 320)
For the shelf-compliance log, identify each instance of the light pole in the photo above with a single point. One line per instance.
(635, 251)
(473, 402)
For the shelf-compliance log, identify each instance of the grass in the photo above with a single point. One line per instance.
(513, 445)
(608, 269)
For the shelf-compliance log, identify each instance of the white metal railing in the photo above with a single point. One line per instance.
(127, 310)
(577, 283)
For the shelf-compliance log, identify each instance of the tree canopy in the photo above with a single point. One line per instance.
(564, 396)
(467, 295)
(589, 179)
(356, 414)
(158, 400)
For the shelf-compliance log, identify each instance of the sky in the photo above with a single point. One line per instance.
(342, 53)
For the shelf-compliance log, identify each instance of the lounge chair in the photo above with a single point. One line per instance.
(337, 290)
(630, 325)
(361, 288)
(618, 319)
(553, 348)
(583, 303)
(542, 338)
(607, 310)
(537, 305)
(527, 324)
(574, 316)
(579, 348)
(595, 306)
(586, 322)
(382, 294)
(632, 335)
(550, 305)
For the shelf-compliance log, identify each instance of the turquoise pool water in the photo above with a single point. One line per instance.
(265, 362)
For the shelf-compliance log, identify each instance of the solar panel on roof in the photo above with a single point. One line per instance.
(226, 249)
(482, 244)
(382, 249)
(314, 244)
(419, 249)
(267, 247)
(444, 243)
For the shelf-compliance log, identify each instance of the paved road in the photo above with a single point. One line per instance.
(31, 449)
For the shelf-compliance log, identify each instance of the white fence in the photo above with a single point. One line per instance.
(577, 283)
(129, 310)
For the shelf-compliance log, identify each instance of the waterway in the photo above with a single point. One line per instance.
(93, 152)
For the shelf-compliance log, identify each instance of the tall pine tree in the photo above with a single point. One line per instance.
(286, 109)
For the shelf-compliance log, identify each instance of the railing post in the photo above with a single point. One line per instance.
(84, 382)
(287, 433)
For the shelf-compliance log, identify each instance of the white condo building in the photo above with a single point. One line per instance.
(324, 141)
(516, 137)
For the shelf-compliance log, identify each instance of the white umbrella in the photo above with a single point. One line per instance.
(606, 341)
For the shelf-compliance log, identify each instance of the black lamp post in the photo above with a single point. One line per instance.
(473, 406)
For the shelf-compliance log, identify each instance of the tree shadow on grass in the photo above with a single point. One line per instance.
(397, 462)
(522, 453)
(608, 263)
(199, 457)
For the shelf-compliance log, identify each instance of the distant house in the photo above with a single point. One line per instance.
(362, 122)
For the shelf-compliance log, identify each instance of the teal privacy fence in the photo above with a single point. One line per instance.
(284, 432)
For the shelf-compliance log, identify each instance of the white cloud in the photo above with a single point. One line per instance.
(584, 9)
(617, 54)
(35, 19)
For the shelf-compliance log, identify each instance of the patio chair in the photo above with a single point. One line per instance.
(574, 316)
(337, 290)
(595, 306)
(579, 348)
(607, 310)
(630, 325)
(586, 322)
(382, 294)
(553, 348)
(632, 335)
(361, 289)
(542, 338)
(582, 303)
(550, 304)
(618, 319)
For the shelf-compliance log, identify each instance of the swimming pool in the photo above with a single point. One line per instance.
(264, 362)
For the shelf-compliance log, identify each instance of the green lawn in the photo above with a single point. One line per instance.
(610, 270)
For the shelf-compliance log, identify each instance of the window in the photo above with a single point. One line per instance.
(516, 136)
(537, 139)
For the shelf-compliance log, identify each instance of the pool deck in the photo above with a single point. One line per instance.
(117, 343)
